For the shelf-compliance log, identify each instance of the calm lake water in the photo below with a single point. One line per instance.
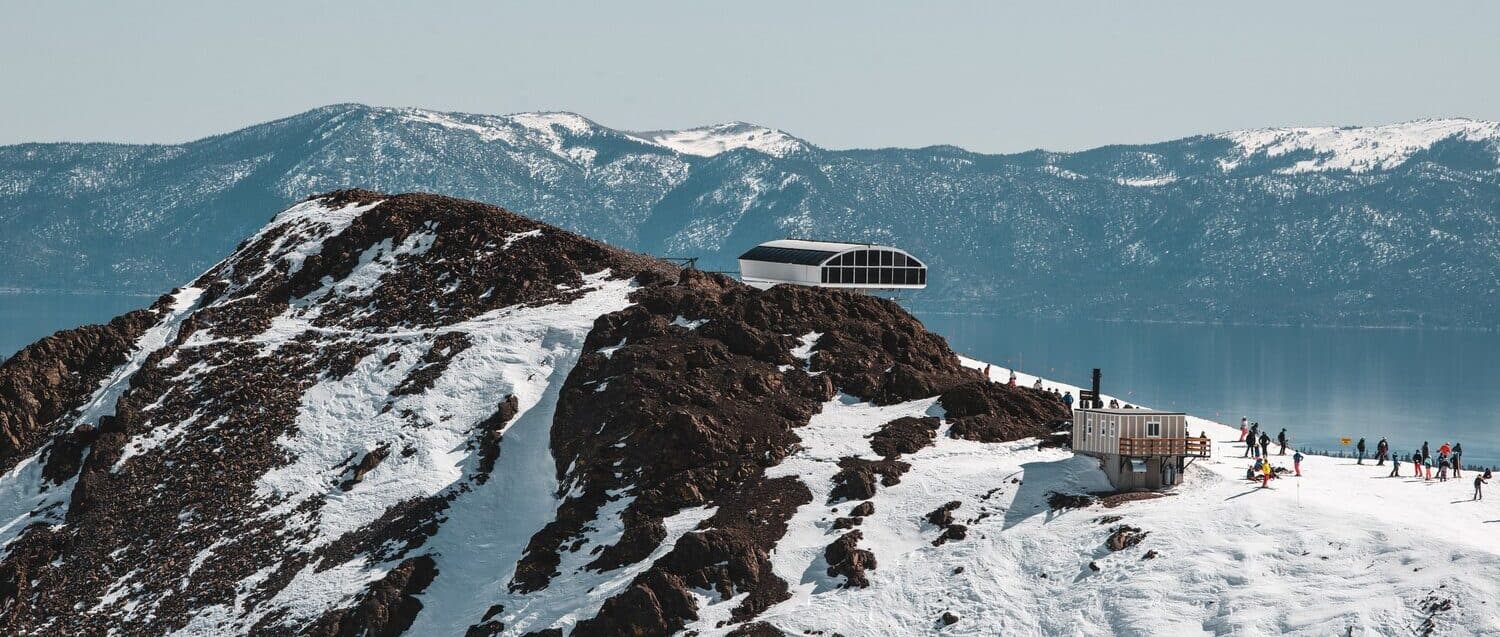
(1319, 383)
(26, 317)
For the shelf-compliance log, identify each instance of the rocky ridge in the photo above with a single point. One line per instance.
(312, 437)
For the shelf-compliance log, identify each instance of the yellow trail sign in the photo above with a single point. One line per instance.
(1345, 440)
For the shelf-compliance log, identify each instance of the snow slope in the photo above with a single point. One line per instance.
(1358, 149)
(1342, 550)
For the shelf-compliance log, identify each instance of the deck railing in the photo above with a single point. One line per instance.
(1200, 447)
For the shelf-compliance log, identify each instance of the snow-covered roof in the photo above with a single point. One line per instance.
(1135, 411)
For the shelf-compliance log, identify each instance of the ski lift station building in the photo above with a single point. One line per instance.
(831, 264)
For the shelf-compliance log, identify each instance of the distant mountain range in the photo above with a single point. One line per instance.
(1385, 225)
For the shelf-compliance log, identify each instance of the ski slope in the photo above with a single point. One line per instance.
(1342, 550)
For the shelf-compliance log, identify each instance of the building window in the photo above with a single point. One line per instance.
(1153, 430)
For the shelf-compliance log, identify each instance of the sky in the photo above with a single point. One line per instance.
(987, 76)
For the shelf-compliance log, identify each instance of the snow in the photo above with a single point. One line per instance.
(1343, 550)
(709, 141)
(1357, 149)
(694, 324)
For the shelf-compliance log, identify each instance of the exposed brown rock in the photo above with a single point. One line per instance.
(943, 515)
(949, 618)
(756, 629)
(1124, 536)
(1061, 501)
(366, 465)
(863, 509)
(846, 559)
(855, 479)
(904, 435)
(55, 375)
(386, 609)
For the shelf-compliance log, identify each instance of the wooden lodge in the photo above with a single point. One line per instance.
(1137, 448)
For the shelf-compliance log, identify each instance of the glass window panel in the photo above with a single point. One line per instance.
(847, 276)
(913, 262)
(922, 276)
(886, 257)
(825, 274)
(885, 275)
(860, 258)
(901, 275)
(860, 275)
(900, 260)
(846, 258)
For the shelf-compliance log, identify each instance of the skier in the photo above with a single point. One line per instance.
(1458, 452)
(1395, 466)
(1265, 445)
(1281, 438)
(1425, 453)
(1360, 447)
(1427, 467)
(1265, 470)
(1381, 449)
(1479, 487)
(1068, 400)
(1442, 468)
(1244, 427)
(1297, 462)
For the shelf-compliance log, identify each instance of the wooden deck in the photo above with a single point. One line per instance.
(1200, 447)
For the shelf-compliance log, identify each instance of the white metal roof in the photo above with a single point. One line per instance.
(830, 246)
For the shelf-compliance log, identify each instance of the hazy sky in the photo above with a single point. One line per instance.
(983, 75)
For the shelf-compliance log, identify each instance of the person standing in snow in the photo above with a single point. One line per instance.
(1458, 451)
(1281, 439)
(1297, 462)
(1037, 384)
(1068, 400)
(1265, 472)
(1425, 453)
(1244, 427)
(1395, 466)
(1012, 381)
(1442, 468)
(1114, 404)
(1427, 467)
(1381, 449)
(1479, 487)
(1265, 445)
(1359, 448)
(986, 371)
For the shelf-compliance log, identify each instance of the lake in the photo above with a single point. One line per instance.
(28, 316)
(1319, 383)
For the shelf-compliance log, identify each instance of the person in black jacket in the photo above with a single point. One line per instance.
(1360, 448)
(1265, 445)
(1382, 449)
(1281, 439)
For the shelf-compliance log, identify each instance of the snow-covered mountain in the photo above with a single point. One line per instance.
(1386, 225)
(419, 415)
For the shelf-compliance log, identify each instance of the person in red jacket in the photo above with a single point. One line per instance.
(1244, 427)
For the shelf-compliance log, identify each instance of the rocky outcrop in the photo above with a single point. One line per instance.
(845, 559)
(904, 435)
(679, 402)
(1124, 536)
(387, 609)
(53, 376)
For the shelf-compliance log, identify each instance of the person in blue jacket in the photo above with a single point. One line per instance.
(1068, 399)
(1395, 466)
